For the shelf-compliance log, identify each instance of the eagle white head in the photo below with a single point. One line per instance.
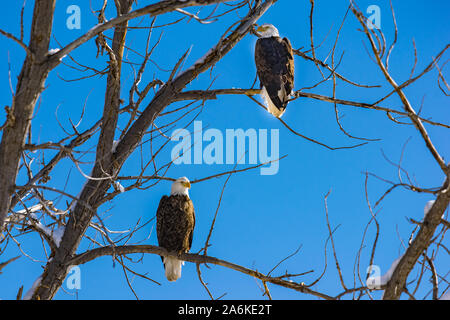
(267, 30)
(181, 186)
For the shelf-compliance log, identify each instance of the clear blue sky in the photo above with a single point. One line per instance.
(262, 219)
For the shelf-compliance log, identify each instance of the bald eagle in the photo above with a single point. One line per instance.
(175, 221)
(275, 66)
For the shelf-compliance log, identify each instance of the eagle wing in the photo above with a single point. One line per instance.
(289, 81)
(275, 66)
(175, 222)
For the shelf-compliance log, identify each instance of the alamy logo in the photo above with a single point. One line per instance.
(374, 20)
(74, 278)
(74, 20)
(229, 149)
(374, 277)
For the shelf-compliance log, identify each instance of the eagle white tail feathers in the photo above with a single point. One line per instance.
(269, 104)
(172, 267)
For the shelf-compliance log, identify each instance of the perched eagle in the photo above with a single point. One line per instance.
(275, 66)
(175, 221)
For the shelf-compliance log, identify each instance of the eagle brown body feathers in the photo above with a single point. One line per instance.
(175, 221)
(275, 66)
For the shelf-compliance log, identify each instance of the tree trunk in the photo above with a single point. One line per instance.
(29, 86)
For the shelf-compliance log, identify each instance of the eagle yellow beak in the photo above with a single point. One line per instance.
(260, 29)
(186, 184)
